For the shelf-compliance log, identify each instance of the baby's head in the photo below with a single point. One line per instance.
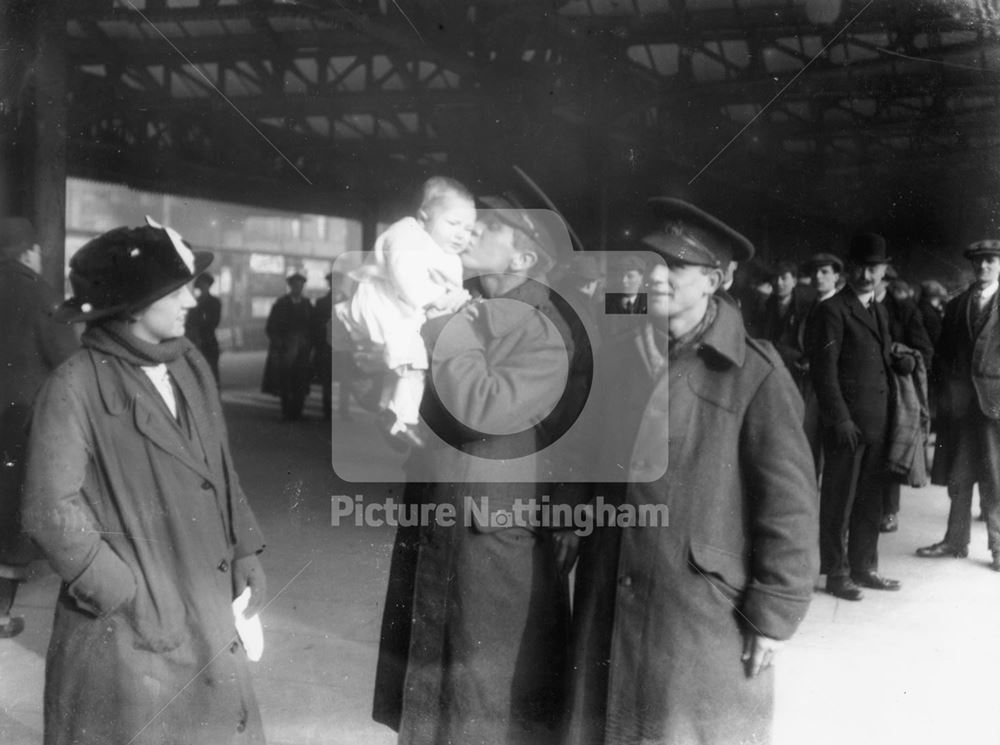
(447, 212)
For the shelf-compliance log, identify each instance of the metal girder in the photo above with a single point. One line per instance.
(519, 73)
(774, 21)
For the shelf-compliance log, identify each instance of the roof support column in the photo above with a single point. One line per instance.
(33, 124)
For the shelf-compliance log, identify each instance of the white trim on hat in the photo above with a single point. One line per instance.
(179, 245)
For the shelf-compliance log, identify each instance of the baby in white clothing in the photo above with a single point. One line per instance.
(416, 269)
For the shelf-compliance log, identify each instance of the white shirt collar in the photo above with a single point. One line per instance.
(866, 298)
(160, 377)
(989, 291)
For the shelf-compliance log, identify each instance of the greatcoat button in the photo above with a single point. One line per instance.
(625, 581)
(206, 484)
(223, 566)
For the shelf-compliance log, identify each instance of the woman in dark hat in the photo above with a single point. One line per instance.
(132, 495)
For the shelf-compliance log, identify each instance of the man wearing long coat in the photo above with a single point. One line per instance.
(967, 364)
(676, 626)
(476, 626)
(203, 320)
(288, 368)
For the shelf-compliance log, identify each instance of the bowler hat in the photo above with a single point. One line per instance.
(988, 247)
(127, 269)
(686, 234)
(205, 279)
(868, 248)
(824, 259)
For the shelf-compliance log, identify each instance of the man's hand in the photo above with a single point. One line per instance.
(758, 653)
(451, 301)
(567, 547)
(904, 364)
(848, 434)
(247, 572)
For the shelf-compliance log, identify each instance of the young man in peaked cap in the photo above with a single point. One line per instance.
(677, 627)
(967, 371)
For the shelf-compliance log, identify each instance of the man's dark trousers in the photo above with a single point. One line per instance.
(851, 506)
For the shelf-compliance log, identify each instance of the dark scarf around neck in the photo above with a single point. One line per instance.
(195, 381)
(115, 339)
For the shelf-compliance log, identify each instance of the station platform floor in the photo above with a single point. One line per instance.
(915, 667)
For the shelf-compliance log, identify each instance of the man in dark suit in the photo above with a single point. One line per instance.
(630, 299)
(783, 320)
(851, 373)
(967, 370)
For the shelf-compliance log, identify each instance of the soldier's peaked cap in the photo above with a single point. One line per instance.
(685, 234)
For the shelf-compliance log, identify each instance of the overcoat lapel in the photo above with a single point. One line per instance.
(119, 383)
(163, 431)
(864, 316)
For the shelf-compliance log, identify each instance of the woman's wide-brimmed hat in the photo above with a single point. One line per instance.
(127, 269)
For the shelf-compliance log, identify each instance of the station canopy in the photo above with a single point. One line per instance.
(838, 112)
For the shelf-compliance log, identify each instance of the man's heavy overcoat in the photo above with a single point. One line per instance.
(662, 611)
(475, 630)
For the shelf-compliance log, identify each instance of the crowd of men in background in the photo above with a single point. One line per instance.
(868, 352)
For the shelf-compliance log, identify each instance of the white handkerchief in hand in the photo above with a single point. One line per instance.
(250, 629)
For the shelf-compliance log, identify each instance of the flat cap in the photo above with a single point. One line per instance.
(631, 262)
(988, 247)
(686, 234)
(824, 259)
(585, 266)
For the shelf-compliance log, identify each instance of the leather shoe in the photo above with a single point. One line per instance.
(874, 581)
(940, 549)
(843, 588)
(890, 523)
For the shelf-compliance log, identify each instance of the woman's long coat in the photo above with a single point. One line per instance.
(661, 612)
(143, 526)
